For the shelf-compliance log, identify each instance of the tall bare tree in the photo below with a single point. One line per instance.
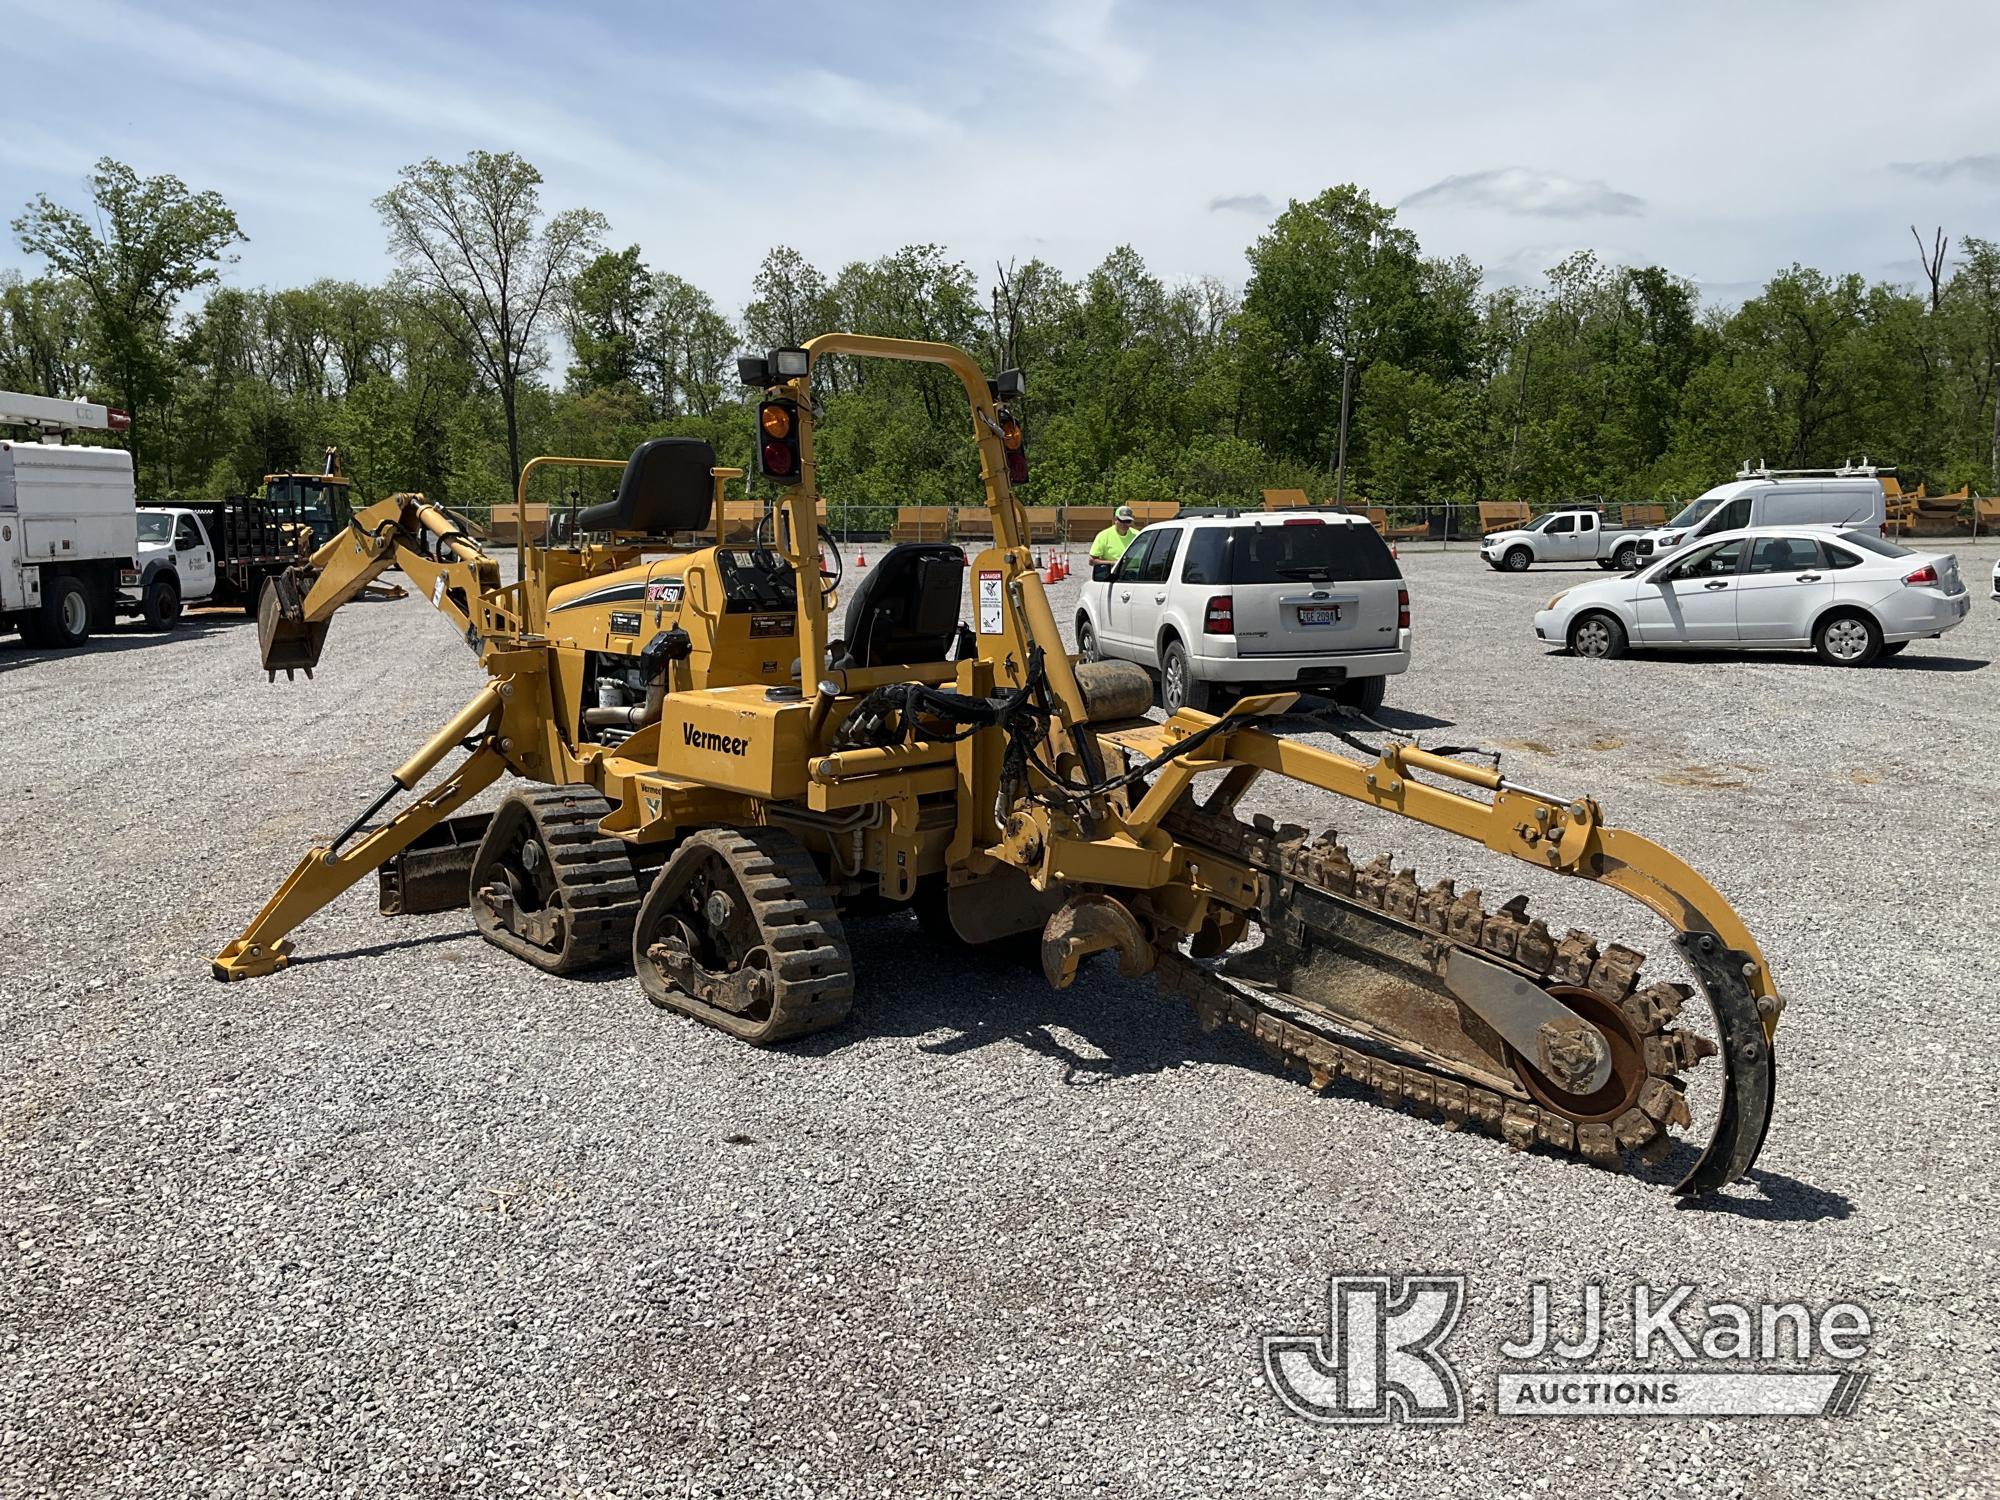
(1932, 256)
(469, 236)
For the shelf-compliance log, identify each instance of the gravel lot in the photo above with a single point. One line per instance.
(414, 1219)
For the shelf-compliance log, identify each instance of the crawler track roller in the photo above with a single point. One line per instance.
(740, 930)
(548, 887)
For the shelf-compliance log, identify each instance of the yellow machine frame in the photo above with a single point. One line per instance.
(934, 800)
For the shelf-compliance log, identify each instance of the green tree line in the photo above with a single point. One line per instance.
(506, 331)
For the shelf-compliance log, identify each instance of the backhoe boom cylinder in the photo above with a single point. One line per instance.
(483, 707)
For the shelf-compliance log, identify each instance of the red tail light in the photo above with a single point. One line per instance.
(1220, 617)
(1925, 574)
(1402, 609)
(1304, 521)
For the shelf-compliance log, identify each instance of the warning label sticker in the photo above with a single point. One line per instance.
(989, 602)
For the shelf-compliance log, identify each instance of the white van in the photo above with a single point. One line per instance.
(1850, 498)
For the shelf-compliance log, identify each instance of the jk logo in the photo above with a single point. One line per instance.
(1378, 1360)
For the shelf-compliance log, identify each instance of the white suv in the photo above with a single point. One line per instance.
(1227, 604)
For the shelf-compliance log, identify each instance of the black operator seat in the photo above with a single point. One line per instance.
(666, 487)
(907, 608)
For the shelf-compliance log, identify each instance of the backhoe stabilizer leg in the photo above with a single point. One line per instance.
(262, 947)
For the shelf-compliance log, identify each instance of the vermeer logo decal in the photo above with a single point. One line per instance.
(725, 744)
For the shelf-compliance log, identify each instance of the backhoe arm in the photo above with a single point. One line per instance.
(403, 531)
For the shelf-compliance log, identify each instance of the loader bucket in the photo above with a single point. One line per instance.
(285, 641)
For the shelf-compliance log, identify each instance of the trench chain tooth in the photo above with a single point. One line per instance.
(1611, 971)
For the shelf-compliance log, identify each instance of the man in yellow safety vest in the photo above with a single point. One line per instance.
(1112, 541)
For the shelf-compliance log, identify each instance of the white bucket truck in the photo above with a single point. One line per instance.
(68, 520)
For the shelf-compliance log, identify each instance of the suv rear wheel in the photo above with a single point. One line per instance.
(1364, 693)
(1086, 639)
(1179, 687)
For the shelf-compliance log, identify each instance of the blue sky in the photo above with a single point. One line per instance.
(1721, 140)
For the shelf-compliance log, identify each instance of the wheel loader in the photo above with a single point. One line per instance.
(713, 758)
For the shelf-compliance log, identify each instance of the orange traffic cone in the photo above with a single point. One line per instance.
(1050, 575)
(860, 559)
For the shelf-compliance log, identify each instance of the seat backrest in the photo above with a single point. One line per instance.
(666, 487)
(907, 608)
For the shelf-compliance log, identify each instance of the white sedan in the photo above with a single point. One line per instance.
(1849, 595)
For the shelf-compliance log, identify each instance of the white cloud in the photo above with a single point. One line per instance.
(1054, 129)
(842, 103)
(1523, 190)
(1087, 37)
(1984, 167)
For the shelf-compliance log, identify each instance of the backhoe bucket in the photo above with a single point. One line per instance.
(284, 638)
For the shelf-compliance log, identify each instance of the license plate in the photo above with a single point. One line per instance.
(1318, 614)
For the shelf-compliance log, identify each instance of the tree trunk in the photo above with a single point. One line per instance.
(513, 448)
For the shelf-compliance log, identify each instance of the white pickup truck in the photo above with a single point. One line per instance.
(1563, 536)
(175, 565)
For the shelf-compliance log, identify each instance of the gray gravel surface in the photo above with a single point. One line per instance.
(413, 1219)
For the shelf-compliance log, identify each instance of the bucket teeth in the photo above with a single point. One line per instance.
(1597, 1143)
(1537, 947)
(1518, 1127)
(1501, 932)
(1557, 1132)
